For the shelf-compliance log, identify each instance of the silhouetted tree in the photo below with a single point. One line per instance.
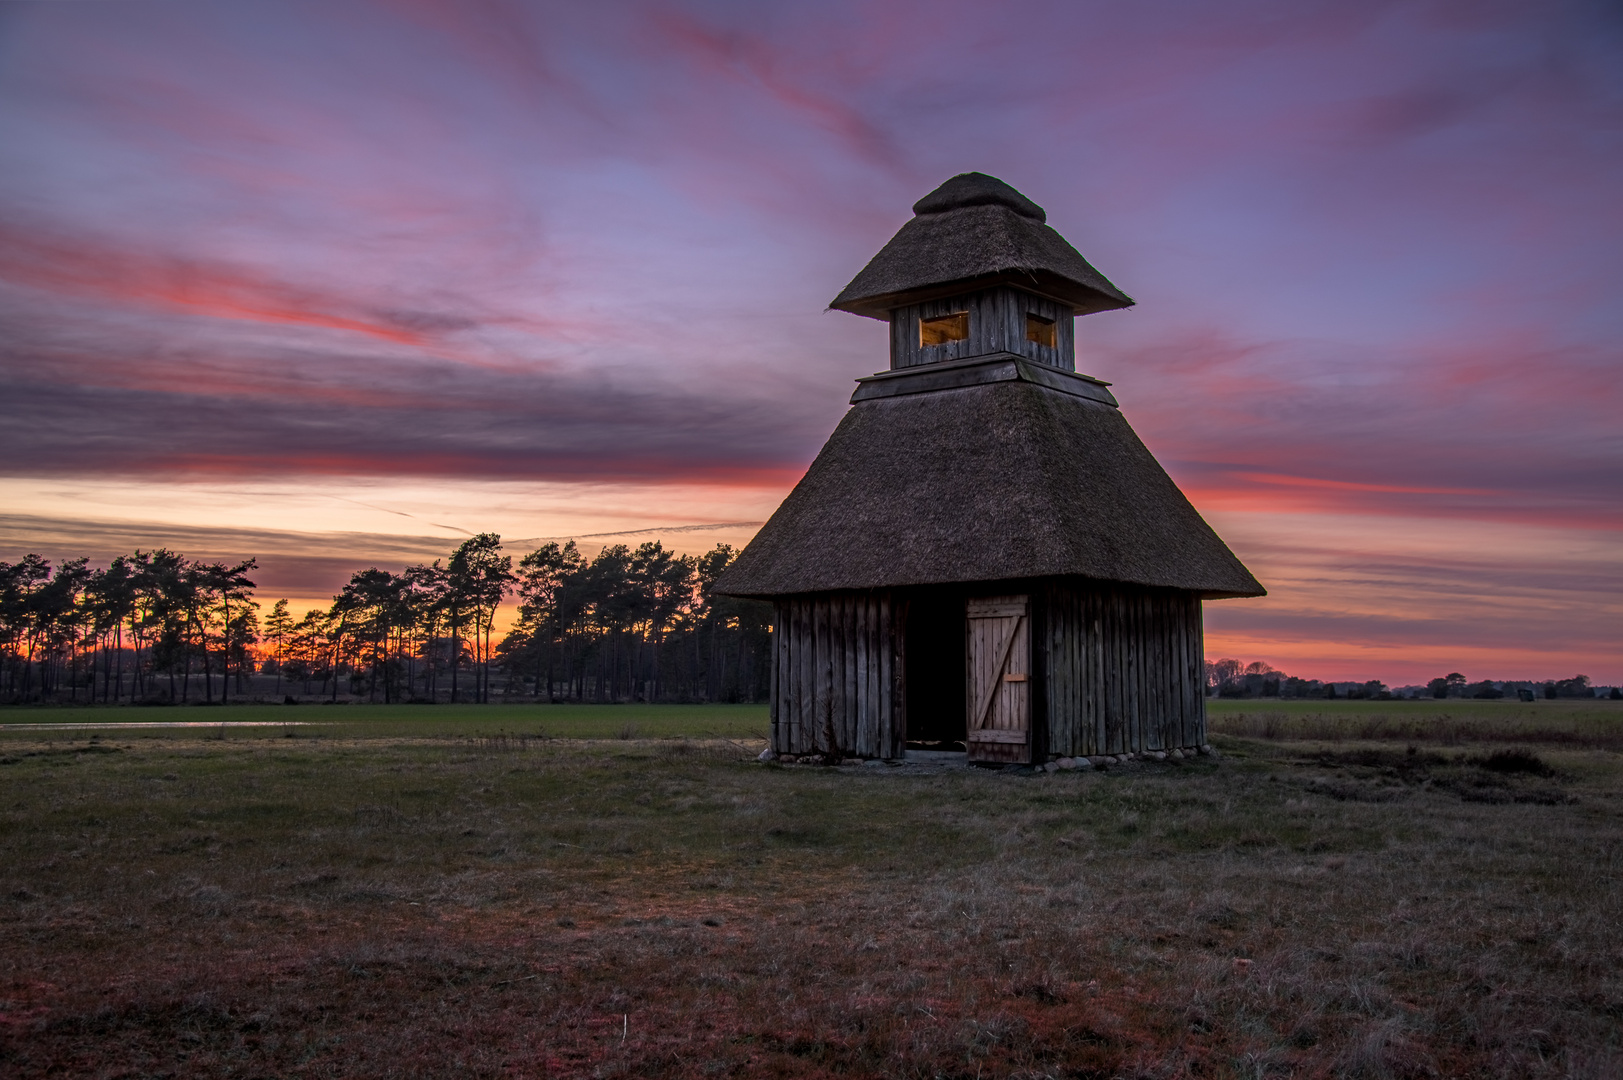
(278, 628)
(478, 576)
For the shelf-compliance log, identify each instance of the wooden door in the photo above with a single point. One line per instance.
(999, 720)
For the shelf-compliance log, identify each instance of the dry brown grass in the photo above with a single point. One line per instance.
(1593, 724)
(532, 908)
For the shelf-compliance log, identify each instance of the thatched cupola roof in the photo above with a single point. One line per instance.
(1000, 481)
(973, 232)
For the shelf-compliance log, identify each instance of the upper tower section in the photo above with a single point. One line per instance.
(977, 271)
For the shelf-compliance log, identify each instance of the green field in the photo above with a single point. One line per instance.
(1336, 721)
(434, 892)
(406, 721)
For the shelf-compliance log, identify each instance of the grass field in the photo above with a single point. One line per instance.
(443, 895)
(1574, 723)
(407, 721)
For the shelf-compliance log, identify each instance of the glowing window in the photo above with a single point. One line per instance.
(1040, 330)
(944, 328)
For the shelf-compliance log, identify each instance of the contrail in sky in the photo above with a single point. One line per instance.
(645, 532)
(400, 513)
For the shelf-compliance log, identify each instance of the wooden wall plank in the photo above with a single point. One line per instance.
(1197, 674)
(1161, 672)
(1159, 676)
(858, 739)
(1145, 639)
(1076, 640)
(863, 696)
(839, 713)
(874, 643)
(786, 676)
(1167, 676)
(805, 688)
(1134, 639)
(1145, 643)
(1057, 678)
(1180, 688)
(1095, 676)
(1122, 695)
(1130, 667)
(819, 674)
(1150, 605)
(1200, 651)
(787, 709)
(841, 648)
(1066, 337)
(1109, 672)
(1129, 675)
(1135, 650)
(1154, 667)
(1102, 662)
(1175, 681)
(897, 717)
(893, 617)
(1193, 682)
(777, 741)
(1079, 666)
(890, 629)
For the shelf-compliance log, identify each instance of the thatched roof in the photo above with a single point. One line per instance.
(1002, 480)
(972, 232)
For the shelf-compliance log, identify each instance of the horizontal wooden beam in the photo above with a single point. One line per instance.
(999, 735)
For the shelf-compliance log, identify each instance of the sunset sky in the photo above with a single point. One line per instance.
(339, 283)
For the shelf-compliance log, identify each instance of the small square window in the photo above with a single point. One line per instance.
(1041, 331)
(944, 329)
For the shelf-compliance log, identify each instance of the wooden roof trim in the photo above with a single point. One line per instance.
(979, 371)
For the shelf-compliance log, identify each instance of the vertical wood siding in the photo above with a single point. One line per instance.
(837, 675)
(997, 323)
(1123, 669)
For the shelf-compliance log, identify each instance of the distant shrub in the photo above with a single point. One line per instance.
(1514, 761)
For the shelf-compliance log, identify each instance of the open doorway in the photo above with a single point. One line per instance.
(936, 706)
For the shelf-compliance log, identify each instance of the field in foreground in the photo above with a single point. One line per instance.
(489, 903)
(404, 721)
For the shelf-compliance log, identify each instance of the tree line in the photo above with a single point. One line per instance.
(155, 626)
(1234, 678)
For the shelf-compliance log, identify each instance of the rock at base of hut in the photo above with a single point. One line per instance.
(1051, 766)
(1065, 763)
(766, 755)
(1157, 755)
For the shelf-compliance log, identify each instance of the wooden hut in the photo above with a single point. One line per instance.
(984, 552)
